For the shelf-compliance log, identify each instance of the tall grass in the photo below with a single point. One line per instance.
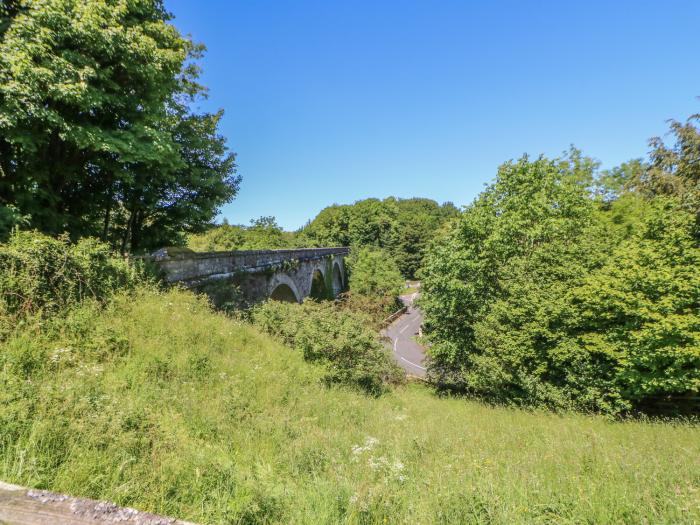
(158, 403)
(337, 337)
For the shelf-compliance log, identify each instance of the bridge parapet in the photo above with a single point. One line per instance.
(197, 267)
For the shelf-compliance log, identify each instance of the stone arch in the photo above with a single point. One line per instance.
(284, 293)
(283, 288)
(338, 281)
(318, 288)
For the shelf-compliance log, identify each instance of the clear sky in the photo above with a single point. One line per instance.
(330, 102)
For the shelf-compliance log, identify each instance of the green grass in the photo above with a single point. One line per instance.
(159, 404)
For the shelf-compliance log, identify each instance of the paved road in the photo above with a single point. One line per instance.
(406, 351)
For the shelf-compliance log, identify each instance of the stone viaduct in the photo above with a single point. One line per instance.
(255, 275)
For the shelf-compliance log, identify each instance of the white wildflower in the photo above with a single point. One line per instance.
(379, 463)
(370, 443)
(59, 354)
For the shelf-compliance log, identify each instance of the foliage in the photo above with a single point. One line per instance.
(612, 184)
(402, 227)
(675, 169)
(373, 308)
(351, 351)
(11, 219)
(542, 294)
(374, 272)
(262, 234)
(530, 204)
(639, 314)
(157, 403)
(40, 274)
(96, 134)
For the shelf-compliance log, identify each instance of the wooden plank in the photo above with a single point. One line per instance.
(21, 506)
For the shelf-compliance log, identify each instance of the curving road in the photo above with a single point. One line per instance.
(408, 354)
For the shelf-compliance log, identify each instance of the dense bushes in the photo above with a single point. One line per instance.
(542, 294)
(374, 309)
(374, 273)
(640, 311)
(262, 234)
(41, 273)
(339, 339)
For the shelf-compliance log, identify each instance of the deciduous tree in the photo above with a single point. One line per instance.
(96, 134)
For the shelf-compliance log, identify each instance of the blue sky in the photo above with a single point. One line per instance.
(329, 102)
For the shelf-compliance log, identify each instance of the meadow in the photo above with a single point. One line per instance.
(157, 402)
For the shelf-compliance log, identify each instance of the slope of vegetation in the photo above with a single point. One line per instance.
(339, 338)
(565, 288)
(558, 287)
(154, 401)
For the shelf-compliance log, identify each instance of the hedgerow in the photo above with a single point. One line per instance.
(40, 274)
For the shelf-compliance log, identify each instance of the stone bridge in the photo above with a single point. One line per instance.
(255, 275)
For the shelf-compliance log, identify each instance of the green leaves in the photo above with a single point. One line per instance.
(545, 294)
(349, 350)
(42, 275)
(643, 307)
(263, 234)
(402, 227)
(96, 134)
(373, 272)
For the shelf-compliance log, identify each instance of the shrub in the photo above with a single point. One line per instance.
(39, 273)
(349, 349)
(373, 272)
(639, 314)
(374, 309)
(539, 296)
(500, 247)
(610, 339)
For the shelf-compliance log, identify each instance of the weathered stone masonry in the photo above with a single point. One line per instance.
(258, 274)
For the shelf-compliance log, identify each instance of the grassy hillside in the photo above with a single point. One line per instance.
(160, 404)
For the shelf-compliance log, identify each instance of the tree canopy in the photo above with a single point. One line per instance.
(373, 272)
(263, 234)
(402, 227)
(97, 137)
(567, 287)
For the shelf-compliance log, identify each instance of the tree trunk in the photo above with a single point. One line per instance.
(127, 233)
(108, 213)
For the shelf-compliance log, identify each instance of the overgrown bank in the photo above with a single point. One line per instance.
(156, 402)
